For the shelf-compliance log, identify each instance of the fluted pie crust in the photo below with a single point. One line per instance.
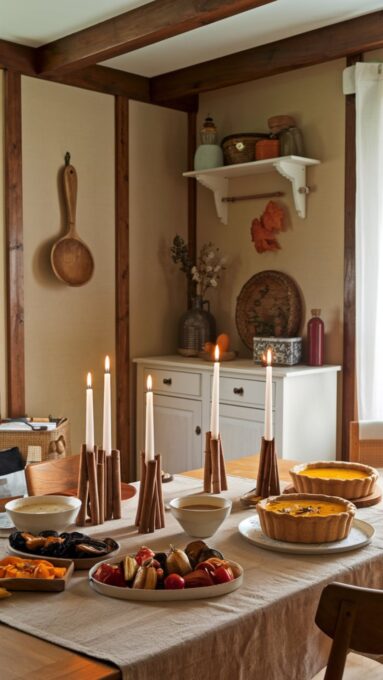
(333, 484)
(279, 519)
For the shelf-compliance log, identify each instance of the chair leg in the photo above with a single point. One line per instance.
(341, 641)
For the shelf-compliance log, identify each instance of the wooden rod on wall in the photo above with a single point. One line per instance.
(250, 197)
(13, 199)
(123, 413)
(349, 350)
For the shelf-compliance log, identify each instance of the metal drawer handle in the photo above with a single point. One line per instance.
(238, 390)
(198, 430)
(167, 381)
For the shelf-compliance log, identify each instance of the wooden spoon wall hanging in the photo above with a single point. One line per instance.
(71, 259)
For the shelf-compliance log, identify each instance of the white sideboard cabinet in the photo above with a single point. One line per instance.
(304, 409)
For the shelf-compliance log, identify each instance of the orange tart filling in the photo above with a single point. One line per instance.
(305, 508)
(334, 473)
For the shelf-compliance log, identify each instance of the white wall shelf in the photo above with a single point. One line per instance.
(291, 167)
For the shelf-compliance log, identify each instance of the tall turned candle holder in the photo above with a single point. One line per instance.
(267, 477)
(214, 473)
(99, 486)
(150, 512)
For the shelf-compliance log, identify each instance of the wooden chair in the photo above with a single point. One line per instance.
(365, 446)
(52, 476)
(353, 618)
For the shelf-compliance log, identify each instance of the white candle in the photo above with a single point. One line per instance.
(107, 419)
(89, 422)
(269, 399)
(214, 419)
(149, 422)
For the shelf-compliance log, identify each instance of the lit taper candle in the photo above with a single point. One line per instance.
(214, 420)
(269, 398)
(107, 419)
(89, 422)
(149, 422)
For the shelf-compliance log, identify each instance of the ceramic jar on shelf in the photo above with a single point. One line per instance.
(196, 326)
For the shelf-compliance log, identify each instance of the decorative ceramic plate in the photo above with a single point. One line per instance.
(269, 304)
(360, 535)
(79, 562)
(165, 595)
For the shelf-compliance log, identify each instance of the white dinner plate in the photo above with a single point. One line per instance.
(361, 534)
(165, 595)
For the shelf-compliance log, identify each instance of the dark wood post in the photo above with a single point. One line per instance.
(122, 284)
(192, 193)
(13, 198)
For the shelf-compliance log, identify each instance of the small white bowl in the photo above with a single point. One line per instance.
(200, 523)
(23, 512)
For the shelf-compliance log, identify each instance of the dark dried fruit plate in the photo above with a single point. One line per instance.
(83, 550)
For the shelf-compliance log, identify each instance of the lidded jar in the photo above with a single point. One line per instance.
(315, 338)
(209, 154)
(208, 131)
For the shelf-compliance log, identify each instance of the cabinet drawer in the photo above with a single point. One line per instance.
(174, 382)
(243, 391)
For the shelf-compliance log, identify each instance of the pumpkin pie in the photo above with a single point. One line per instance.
(335, 478)
(306, 518)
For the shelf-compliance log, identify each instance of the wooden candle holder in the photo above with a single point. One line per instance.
(267, 477)
(99, 486)
(150, 511)
(214, 473)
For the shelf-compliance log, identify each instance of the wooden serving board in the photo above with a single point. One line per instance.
(364, 502)
(79, 563)
(224, 356)
(41, 584)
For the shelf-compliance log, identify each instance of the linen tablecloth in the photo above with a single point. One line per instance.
(263, 631)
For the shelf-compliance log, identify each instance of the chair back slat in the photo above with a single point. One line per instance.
(367, 630)
(368, 451)
(52, 476)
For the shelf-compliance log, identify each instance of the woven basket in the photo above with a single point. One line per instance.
(240, 148)
(46, 444)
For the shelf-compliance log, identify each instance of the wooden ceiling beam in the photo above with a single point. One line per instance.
(132, 30)
(362, 34)
(18, 58)
(21, 59)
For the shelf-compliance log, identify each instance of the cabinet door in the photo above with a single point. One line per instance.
(241, 430)
(177, 431)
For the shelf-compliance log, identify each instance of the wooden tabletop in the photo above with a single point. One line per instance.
(25, 656)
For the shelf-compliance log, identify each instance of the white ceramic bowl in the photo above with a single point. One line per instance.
(23, 512)
(200, 523)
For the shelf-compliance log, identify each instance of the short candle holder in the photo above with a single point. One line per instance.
(99, 486)
(150, 512)
(214, 474)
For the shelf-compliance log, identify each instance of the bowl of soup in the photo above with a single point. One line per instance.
(200, 515)
(40, 513)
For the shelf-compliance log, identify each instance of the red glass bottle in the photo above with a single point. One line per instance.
(315, 338)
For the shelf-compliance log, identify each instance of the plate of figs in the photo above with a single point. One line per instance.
(193, 573)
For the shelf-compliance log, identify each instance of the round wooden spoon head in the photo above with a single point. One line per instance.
(72, 261)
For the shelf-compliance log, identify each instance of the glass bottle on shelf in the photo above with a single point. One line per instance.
(315, 338)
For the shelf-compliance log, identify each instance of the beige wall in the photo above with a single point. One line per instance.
(3, 403)
(312, 248)
(158, 210)
(68, 331)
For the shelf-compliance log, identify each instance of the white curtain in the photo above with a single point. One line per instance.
(369, 239)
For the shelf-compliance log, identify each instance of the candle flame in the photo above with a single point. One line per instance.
(89, 380)
(216, 353)
(149, 383)
(107, 364)
(269, 356)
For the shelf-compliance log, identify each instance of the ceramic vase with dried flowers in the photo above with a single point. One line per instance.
(197, 325)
